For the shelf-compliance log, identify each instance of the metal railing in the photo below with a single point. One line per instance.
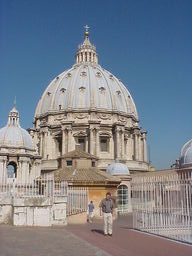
(45, 186)
(77, 200)
(162, 204)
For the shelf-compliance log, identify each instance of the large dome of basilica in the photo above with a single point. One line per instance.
(86, 86)
(88, 105)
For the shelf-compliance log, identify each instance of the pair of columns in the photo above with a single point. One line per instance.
(136, 148)
(140, 151)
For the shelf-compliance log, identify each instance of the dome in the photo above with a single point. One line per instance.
(186, 154)
(118, 169)
(13, 136)
(85, 87)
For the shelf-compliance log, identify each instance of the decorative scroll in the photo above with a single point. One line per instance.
(60, 117)
(81, 116)
(104, 116)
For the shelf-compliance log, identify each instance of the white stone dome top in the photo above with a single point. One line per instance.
(186, 154)
(13, 136)
(118, 169)
(86, 86)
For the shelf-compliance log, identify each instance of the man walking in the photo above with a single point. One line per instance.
(106, 206)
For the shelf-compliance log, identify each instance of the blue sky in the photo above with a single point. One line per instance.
(147, 44)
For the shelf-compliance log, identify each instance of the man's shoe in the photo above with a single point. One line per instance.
(105, 234)
(110, 234)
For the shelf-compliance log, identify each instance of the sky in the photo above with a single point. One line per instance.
(145, 43)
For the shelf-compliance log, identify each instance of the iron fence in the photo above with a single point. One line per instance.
(162, 204)
(43, 186)
(77, 200)
(46, 186)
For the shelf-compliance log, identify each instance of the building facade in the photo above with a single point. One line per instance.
(88, 105)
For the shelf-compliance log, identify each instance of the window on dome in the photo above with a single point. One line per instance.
(81, 141)
(12, 170)
(63, 90)
(83, 73)
(98, 74)
(102, 89)
(68, 75)
(104, 144)
(118, 92)
(82, 88)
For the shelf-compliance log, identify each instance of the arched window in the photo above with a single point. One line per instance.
(122, 197)
(12, 170)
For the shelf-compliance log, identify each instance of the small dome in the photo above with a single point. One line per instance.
(186, 154)
(13, 136)
(118, 169)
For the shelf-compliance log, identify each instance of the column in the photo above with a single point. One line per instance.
(41, 144)
(69, 139)
(24, 169)
(83, 56)
(49, 145)
(144, 148)
(19, 172)
(117, 146)
(139, 148)
(111, 147)
(64, 141)
(45, 145)
(122, 144)
(91, 141)
(3, 169)
(136, 146)
(97, 143)
(131, 144)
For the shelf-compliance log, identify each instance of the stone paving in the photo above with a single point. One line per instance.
(86, 240)
(128, 242)
(36, 241)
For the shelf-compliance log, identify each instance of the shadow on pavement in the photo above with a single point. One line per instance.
(99, 231)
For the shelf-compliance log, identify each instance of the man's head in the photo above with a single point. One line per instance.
(108, 195)
(91, 202)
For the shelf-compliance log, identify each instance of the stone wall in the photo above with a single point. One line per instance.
(36, 211)
(6, 210)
